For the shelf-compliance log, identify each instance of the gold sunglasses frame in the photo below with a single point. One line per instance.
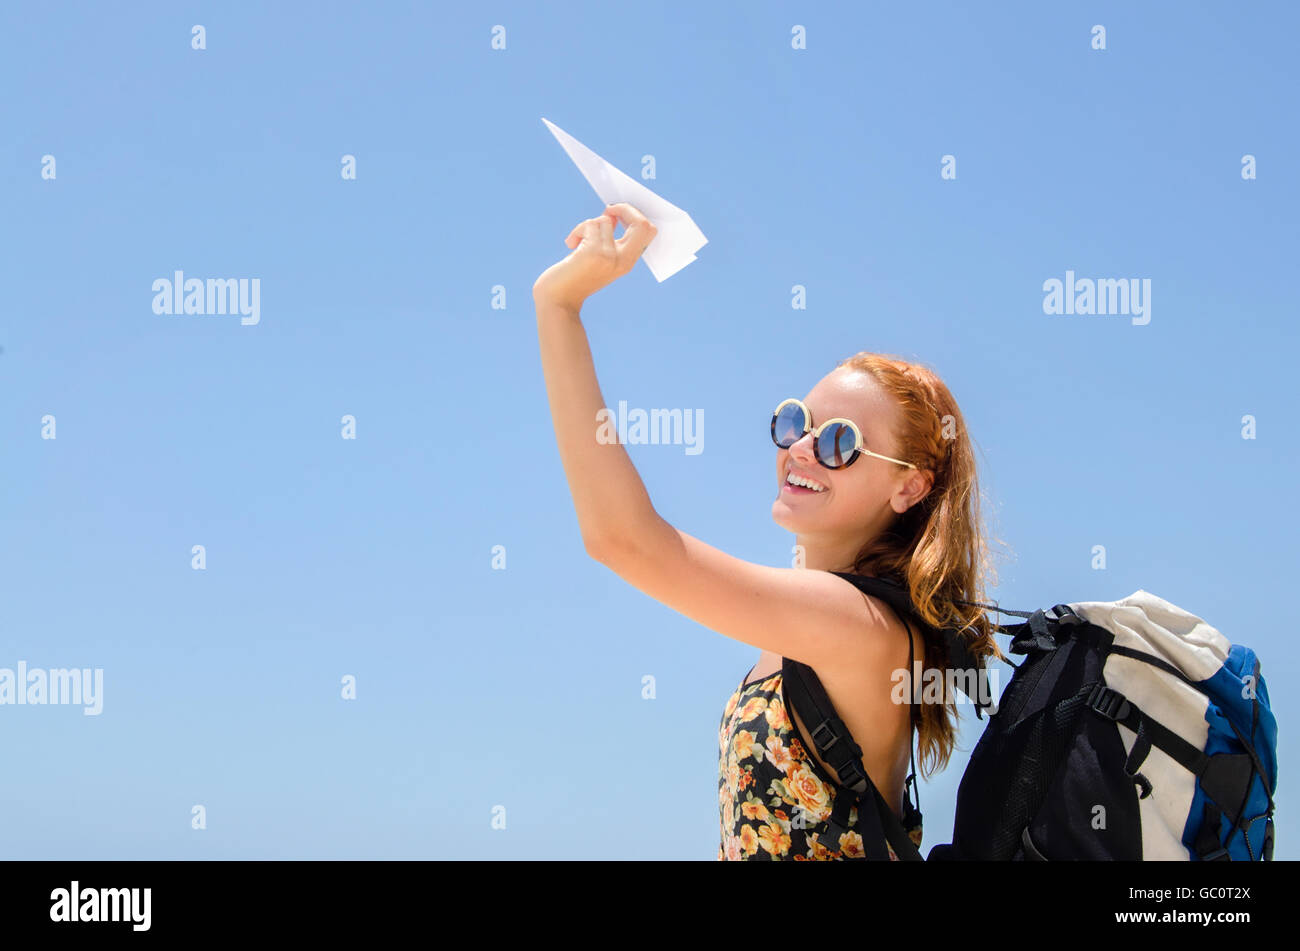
(858, 448)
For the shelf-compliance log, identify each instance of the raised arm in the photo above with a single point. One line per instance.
(809, 616)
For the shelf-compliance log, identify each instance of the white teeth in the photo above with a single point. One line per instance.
(793, 479)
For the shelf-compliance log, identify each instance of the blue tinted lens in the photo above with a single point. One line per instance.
(835, 446)
(788, 427)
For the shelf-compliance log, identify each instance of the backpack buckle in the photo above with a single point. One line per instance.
(833, 832)
(1066, 616)
(837, 731)
(819, 741)
(1111, 704)
(853, 777)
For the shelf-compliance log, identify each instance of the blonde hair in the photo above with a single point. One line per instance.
(937, 548)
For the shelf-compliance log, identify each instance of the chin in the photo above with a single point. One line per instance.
(802, 522)
(788, 520)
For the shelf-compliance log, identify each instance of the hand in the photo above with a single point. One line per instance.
(597, 259)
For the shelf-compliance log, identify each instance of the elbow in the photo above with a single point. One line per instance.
(598, 547)
(617, 544)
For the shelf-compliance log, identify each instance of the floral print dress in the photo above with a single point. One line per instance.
(774, 798)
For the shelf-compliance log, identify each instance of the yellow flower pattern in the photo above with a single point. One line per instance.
(774, 799)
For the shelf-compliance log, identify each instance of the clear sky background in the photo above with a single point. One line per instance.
(326, 557)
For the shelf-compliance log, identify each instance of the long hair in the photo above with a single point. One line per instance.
(937, 548)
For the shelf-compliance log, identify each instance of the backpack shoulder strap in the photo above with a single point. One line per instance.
(877, 822)
(835, 744)
(959, 655)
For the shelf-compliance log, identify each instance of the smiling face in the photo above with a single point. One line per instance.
(855, 502)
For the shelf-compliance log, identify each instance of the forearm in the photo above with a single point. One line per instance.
(608, 495)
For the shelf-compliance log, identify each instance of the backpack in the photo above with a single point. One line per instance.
(1132, 730)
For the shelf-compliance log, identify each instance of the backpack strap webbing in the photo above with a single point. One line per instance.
(877, 823)
(835, 744)
(1225, 777)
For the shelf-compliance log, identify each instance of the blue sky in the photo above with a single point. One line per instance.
(327, 557)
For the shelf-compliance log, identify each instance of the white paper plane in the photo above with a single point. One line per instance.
(678, 239)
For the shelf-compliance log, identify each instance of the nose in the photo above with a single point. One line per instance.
(802, 450)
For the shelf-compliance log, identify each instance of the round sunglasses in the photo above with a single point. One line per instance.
(837, 443)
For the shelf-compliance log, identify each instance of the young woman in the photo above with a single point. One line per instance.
(874, 475)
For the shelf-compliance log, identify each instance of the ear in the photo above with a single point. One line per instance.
(915, 487)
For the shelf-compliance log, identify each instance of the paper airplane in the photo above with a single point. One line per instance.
(678, 239)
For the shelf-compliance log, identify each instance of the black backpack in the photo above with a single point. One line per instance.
(1051, 760)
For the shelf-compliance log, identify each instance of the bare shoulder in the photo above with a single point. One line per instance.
(889, 635)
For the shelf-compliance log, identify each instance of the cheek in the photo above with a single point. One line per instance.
(859, 498)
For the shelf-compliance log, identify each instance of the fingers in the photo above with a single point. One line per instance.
(575, 235)
(605, 230)
(625, 213)
(588, 230)
(591, 233)
(638, 231)
(599, 232)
